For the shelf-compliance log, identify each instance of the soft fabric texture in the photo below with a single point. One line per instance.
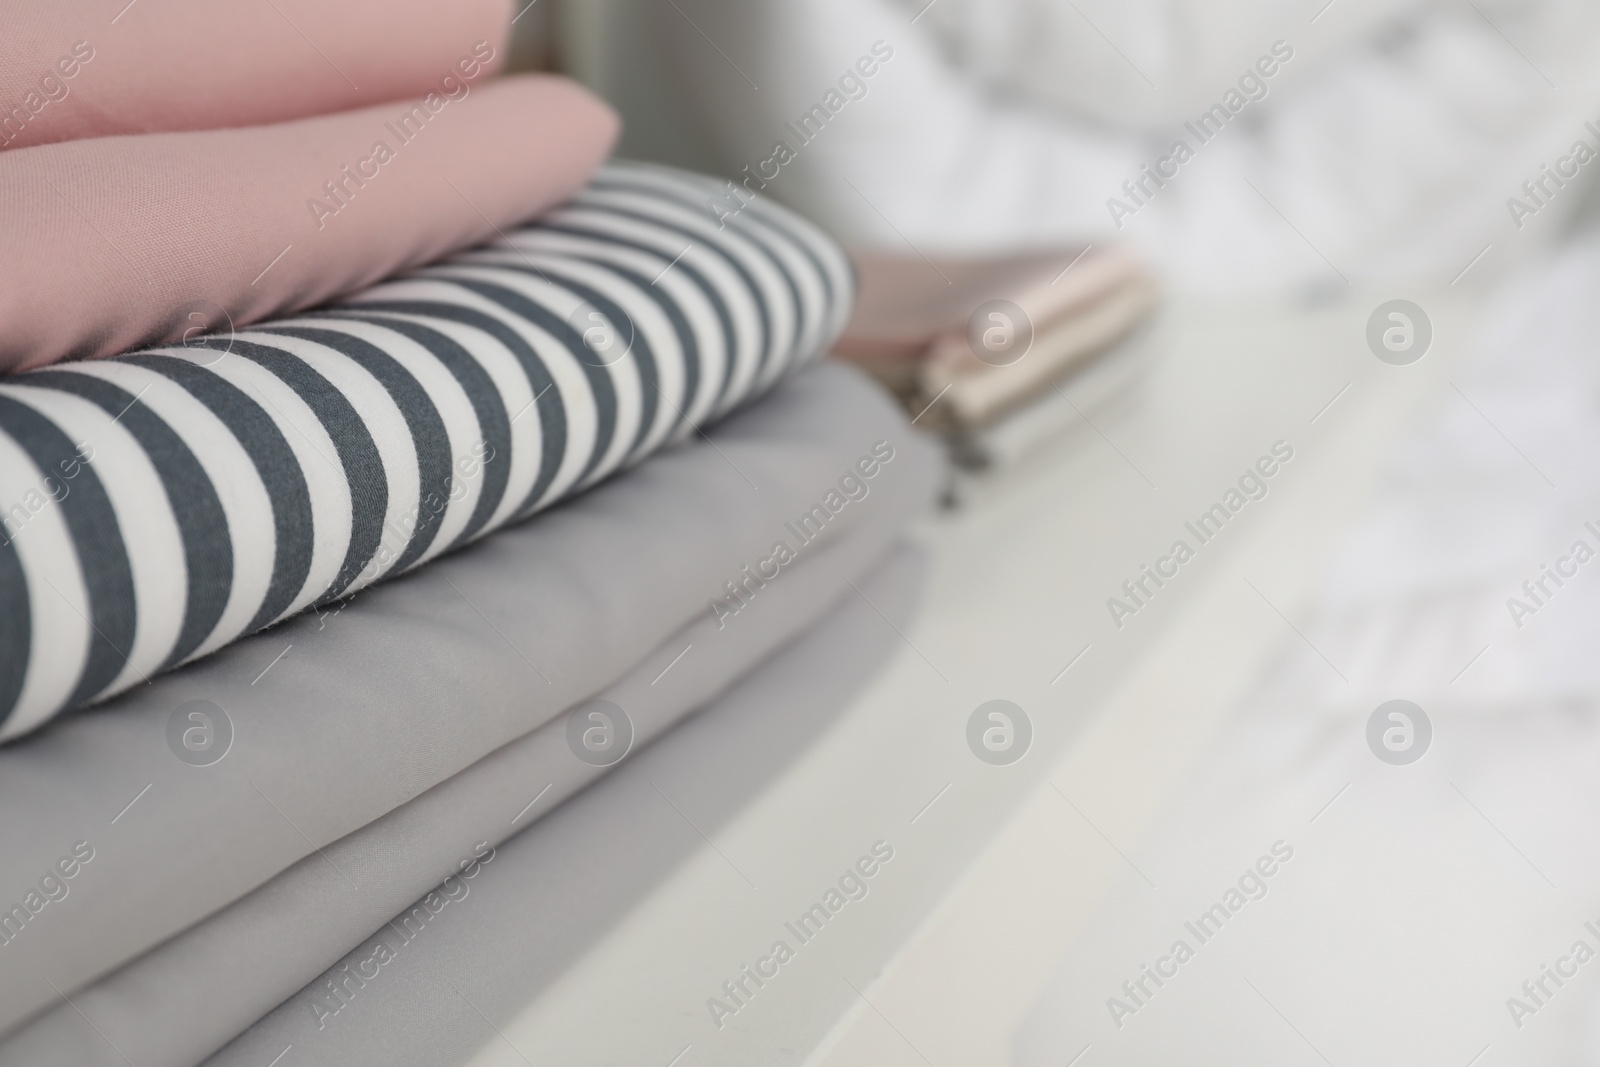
(91, 68)
(159, 505)
(339, 719)
(906, 304)
(168, 1008)
(554, 891)
(1389, 142)
(1137, 63)
(940, 335)
(114, 242)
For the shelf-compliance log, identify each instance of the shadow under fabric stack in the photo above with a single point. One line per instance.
(279, 543)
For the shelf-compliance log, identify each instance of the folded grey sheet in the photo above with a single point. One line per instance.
(502, 935)
(188, 997)
(339, 718)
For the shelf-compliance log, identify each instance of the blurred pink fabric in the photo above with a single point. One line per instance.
(114, 242)
(92, 68)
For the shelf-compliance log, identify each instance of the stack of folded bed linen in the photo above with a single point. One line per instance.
(1003, 355)
(378, 466)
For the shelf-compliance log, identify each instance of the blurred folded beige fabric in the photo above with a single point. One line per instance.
(965, 343)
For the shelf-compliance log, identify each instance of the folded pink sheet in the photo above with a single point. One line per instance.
(114, 242)
(94, 68)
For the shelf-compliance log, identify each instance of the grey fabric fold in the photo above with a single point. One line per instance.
(339, 718)
(188, 997)
(553, 891)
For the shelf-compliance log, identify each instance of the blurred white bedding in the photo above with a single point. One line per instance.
(1421, 898)
(1494, 491)
(1134, 63)
(1384, 149)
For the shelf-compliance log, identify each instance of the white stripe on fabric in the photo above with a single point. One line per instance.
(502, 366)
(319, 461)
(651, 325)
(766, 216)
(684, 294)
(741, 300)
(568, 369)
(244, 499)
(149, 529)
(58, 602)
(387, 426)
(449, 399)
(780, 303)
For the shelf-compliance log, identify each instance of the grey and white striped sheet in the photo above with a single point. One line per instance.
(158, 505)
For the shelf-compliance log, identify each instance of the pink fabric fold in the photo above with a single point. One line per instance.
(115, 242)
(92, 68)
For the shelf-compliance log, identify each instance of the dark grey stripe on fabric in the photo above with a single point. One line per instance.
(756, 212)
(96, 538)
(794, 294)
(784, 225)
(617, 182)
(428, 434)
(714, 295)
(764, 351)
(788, 280)
(779, 229)
(16, 627)
(358, 453)
(604, 393)
(275, 464)
(636, 181)
(202, 524)
(546, 397)
(644, 358)
(494, 426)
(688, 341)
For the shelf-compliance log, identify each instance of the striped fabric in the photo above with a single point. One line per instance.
(161, 504)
